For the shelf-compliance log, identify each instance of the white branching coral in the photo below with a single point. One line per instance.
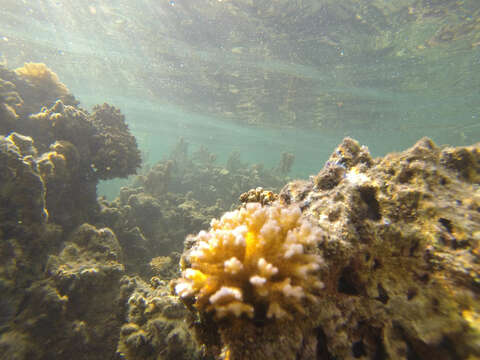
(259, 259)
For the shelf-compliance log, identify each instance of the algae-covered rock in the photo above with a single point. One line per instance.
(21, 184)
(403, 251)
(103, 140)
(74, 312)
(60, 282)
(10, 100)
(155, 327)
(115, 152)
(401, 274)
(66, 305)
(72, 148)
(31, 87)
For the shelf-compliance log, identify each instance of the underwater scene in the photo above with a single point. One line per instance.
(239, 179)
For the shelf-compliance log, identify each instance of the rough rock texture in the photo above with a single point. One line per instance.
(72, 148)
(259, 195)
(60, 282)
(115, 152)
(10, 100)
(31, 87)
(69, 305)
(22, 186)
(25, 239)
(103, 141)
(76, 311)
(155, 327)
(402, 261)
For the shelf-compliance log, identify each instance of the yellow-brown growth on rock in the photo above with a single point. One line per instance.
(40, 75)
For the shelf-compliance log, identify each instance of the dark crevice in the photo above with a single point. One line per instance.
(368, 195)
(380, 352)
(419, 350)
(382, 294)
(405, 176)
(411, 293)
(414, 247)
(358, 349)
(424, 278)
(348, 283)
(322, 348)
(447, 224)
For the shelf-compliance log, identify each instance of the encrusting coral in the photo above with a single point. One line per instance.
(256, 261)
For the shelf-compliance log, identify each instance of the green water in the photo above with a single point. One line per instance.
(263, 77)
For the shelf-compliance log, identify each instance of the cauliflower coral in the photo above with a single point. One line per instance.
(256, 261)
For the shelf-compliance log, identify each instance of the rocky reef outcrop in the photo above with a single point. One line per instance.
(400, 269)
(73, 148)
(62, 294)
(155, 326)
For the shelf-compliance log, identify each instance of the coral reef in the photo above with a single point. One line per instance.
(9, 101)
(396, 269)
(115, 153)
(286, 163)
(155, 327)
(31, 87)
(22, 185)
(103, 140)
(166, 267)
(72, 148)
(400, 267)
(257, 263)
(25, 237)
(60, 282)
(74, 312)
(176, 197)
(370, 258)
(52, 305)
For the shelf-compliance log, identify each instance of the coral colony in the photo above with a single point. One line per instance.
(253, 258)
